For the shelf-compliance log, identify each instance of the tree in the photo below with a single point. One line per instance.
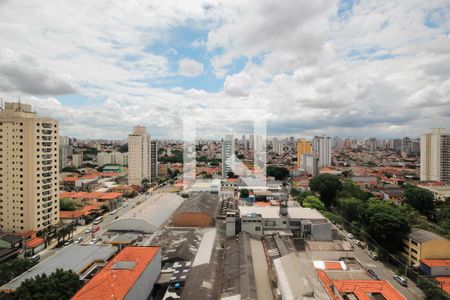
(58, 285)
(13, 268)
(70, 169)
(295, 192)
(327, 185)
(145, 183)
(350, 208)
(232, 175)
(313, 202)
(384, 222)
(430, 289)
(67, 204)
(419, 198)
(351, 190)
(244, 193)
(280, 173)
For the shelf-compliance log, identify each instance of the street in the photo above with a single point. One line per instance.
(383, 271)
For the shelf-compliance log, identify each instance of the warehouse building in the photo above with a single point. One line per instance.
(198, 210)
(148, 216)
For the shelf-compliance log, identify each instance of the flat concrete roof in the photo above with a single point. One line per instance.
(273, 212)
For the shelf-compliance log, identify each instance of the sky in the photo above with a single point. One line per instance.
(340, 68)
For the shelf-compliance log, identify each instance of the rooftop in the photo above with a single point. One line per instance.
(119, 275)
(74, 257)
(359, 288)
(273, 212)
(422, 236)
(436, 262)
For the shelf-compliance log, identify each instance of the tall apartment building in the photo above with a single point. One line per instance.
(139, 156)
(303, 147)
(154, 160)
(77, 160)
(227, 153)
(29, 169)
(63, 151)
(277, 146)
(435, 156)
(322, 148)
(112, 158)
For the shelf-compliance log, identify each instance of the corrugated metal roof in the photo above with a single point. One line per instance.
(149, 215)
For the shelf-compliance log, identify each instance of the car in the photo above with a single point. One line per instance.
(373, 255)
(35, 258)
(68, 242)
(78, 240)
(93, 241)
(350, 236)
(400, 279)
(372, 274)
(358, 243)
(113, 212)
(88, 230)
(60, 244)
(125, 204)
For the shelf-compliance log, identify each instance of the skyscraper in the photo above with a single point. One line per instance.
(277, 146)
(435, 156)
(322, 147)
(303, 147)
(29, 169)
(227, 153)
(63, 151)
(154, 160)
(139, 156)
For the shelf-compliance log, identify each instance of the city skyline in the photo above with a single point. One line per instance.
(356, 68)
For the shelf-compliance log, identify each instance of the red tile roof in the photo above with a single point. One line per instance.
(436, 262)
(360, 288)
(34, 242)
(333, 265)
(70, 179)
(110, 196)
(112, 283)
(445, 283)
(94, 195)
(66, 214)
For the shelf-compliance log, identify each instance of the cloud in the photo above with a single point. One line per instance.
(373, 68)
(22, 73)
(190, 68)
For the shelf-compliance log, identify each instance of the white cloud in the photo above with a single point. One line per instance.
(190, 67)
(377, 71)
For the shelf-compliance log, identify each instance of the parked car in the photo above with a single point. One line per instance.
(88, 230)
(93, 241)
(358, 243)
(68, 242)
(372, 274)
(373, 255)
(113, 212)
(78, 240)
(350, 236)
(125, 204)
(35, 258)
(60, 244)
(400, 279)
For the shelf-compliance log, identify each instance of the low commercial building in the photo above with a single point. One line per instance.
(422, 244)
(300, 221)
(129, 275)
(435, 267)
(82, 259)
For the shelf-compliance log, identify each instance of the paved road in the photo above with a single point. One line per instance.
(383, 272)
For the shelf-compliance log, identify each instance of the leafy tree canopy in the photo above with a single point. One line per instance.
(386, 224)
(327, 185)
(280, 173)
(313, 202)
(419, 198)
(58, 285)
